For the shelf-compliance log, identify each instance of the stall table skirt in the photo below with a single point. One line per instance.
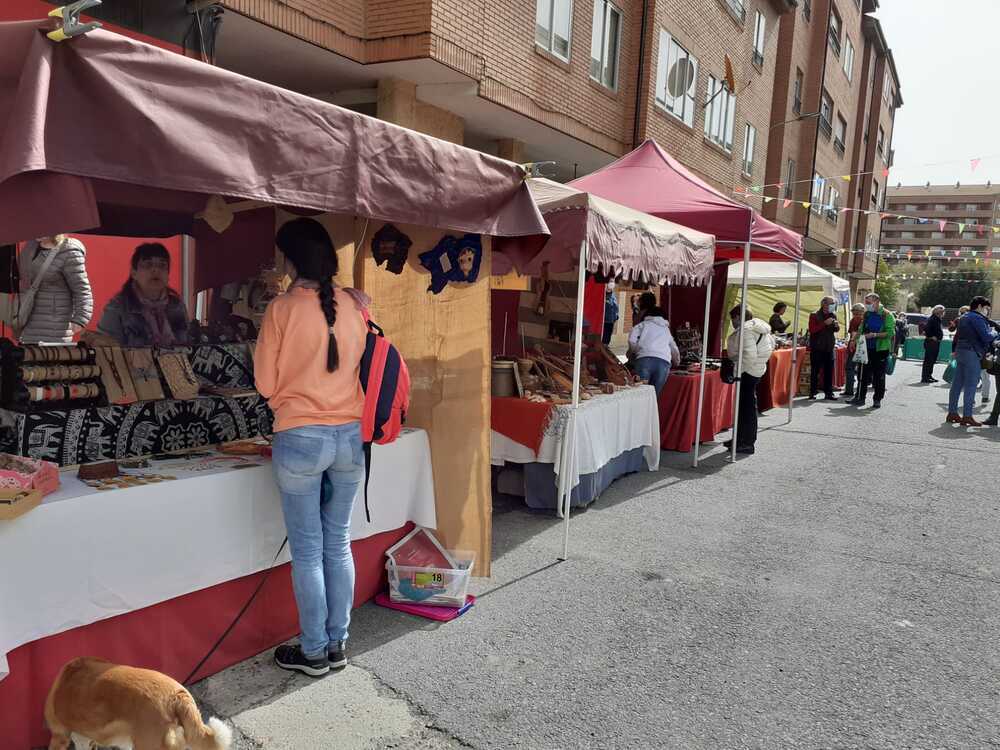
(679, 410)
(772, 390)
(173, 636)
(840, 368)
(914, 349)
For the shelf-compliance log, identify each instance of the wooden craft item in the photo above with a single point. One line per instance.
(148, 386)
(179, 376)
(116, 376)
(100, 470)
(15, 503)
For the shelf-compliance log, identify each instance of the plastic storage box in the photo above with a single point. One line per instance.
(440, 587)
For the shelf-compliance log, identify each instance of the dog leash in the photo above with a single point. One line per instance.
(242, 612)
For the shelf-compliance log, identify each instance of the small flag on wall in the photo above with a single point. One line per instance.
(942, 224)
(975, 163)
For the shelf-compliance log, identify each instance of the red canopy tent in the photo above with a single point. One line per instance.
(651, 180)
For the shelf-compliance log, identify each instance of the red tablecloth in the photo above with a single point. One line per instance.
(840, 368)
(172, 637)
(772, 390)
(522, 421)
(679, 410)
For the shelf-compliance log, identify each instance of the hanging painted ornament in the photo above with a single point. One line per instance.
(390, 247)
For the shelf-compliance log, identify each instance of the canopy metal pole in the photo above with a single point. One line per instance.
(792, 385)
(704, 360)
(739, 358)
(569, 470)
(186, 279)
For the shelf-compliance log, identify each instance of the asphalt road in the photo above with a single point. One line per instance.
(836, 590)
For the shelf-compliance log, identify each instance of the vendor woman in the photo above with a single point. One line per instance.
(147, 312)
(777, 322)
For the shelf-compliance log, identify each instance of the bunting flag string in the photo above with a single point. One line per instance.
(885, 171)
(942, 223)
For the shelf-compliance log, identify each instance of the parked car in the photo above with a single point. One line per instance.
(917, 319)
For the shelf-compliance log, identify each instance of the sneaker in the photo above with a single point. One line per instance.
(812, 397)
(831, 397)
(953, 418)
(970, 422)
(935, 380)
(928, 380)
(876, 404)
(991, 422)
(292, 658)
(338, 654)
(746, 450)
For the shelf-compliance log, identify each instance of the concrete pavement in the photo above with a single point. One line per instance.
(836, 590)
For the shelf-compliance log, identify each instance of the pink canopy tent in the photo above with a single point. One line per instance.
(106, 134)
(651, 180)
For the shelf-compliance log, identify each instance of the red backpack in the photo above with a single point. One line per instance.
(385, 380)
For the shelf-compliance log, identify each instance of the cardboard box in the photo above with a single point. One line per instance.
(15, 503)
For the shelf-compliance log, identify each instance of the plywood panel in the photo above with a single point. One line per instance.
(445, 339)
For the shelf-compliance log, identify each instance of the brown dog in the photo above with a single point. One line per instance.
(95, 701)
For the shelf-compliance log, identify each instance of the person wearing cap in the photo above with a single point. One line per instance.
(933, 336)
(857, 318)
(823, 327)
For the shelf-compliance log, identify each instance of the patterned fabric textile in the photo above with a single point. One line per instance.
(229, 365)
(113, 432)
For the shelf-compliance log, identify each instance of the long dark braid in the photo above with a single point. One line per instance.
(307, 245)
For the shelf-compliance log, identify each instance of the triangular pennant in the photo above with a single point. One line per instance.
(981, 229)
(885, 172)
(846, 178)
(767, 199)
(787, 202)
(779, 186)
(961, 227)
(806, 204)
(885, 216)
(996, 230)
(977, 261)
(756, 188)
(942, 224)
(957, 253)
(844, 210)
(927, 253)
(975, 163)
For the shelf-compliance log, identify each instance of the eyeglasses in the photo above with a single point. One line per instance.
(153, 264)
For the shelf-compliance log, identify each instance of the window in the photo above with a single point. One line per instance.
(807, 9)
(797, 93)
(604, 43)
(749, 144)
(790, 179)
(935, 235)
(676, 79)
(876, 195)
(720, 113)
(971, 221)
(942, 207)
(833, 205)
(758, 40)
(835, 29)
(881, 142)
(826, 114)
(840, 134)
(907, 235)
(968, 235)
(553, 24)
(887, 89)
(819, 186)
(909, 220)
(736, 7)
(911, 207)
(848, 58)
(971, 206)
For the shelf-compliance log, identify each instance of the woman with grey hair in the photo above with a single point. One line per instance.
(933, 336)
(63, 303)
(857, 317)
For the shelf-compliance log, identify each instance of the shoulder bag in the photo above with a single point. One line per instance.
(15, 309)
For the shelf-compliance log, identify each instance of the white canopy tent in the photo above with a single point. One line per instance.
(598, 235)
(769, 273)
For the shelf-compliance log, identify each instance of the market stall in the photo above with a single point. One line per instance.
(615, 428)
(68, 164)
(649, 179)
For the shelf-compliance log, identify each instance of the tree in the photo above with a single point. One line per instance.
(886, 286)
(954, 293)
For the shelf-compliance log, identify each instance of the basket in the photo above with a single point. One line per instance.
(31, 474)
(439, 587)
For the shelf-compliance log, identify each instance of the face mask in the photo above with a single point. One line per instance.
(870, 308)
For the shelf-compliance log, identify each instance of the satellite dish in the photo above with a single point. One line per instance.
(681, 77)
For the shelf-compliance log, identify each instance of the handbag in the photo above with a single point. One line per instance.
(890, 364)
(179, 376)
(949, 371)
(15, 309)
(727, 371)
(861, 352)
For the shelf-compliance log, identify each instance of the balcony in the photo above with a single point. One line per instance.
(736, 9)
(797, 105)
(838, 146)
(826, 127)
(758, 59)
(831, 215)
(807, 9)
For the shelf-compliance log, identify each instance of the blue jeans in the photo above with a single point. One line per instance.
(967, 369)
(318, 470)
(654, 371)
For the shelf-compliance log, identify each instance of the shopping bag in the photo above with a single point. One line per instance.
(861, 353)
(890, 364)
(949, 371)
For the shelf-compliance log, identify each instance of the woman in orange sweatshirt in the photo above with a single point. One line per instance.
(307, 366)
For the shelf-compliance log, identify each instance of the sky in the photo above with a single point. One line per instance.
(946, 56)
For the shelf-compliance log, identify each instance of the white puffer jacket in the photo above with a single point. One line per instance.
(63, 296)
(758, 344)
(652, 338)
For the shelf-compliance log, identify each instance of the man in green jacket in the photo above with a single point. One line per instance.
(878, 331)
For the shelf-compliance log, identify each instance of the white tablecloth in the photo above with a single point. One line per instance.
(83, 555)
(607, 426)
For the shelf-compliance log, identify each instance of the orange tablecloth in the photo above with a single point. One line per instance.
(679, 410)
(772, 390)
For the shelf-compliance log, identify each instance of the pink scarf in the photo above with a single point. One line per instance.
(155, 314)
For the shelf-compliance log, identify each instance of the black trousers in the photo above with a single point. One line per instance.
(609, 330)
(821, 363)
(931, 349)
(874, 374)
(746, 414)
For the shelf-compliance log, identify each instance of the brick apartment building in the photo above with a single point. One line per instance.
(833, 113)
(971, 212)
(581, 82)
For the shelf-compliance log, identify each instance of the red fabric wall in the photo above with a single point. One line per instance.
(686, 304)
